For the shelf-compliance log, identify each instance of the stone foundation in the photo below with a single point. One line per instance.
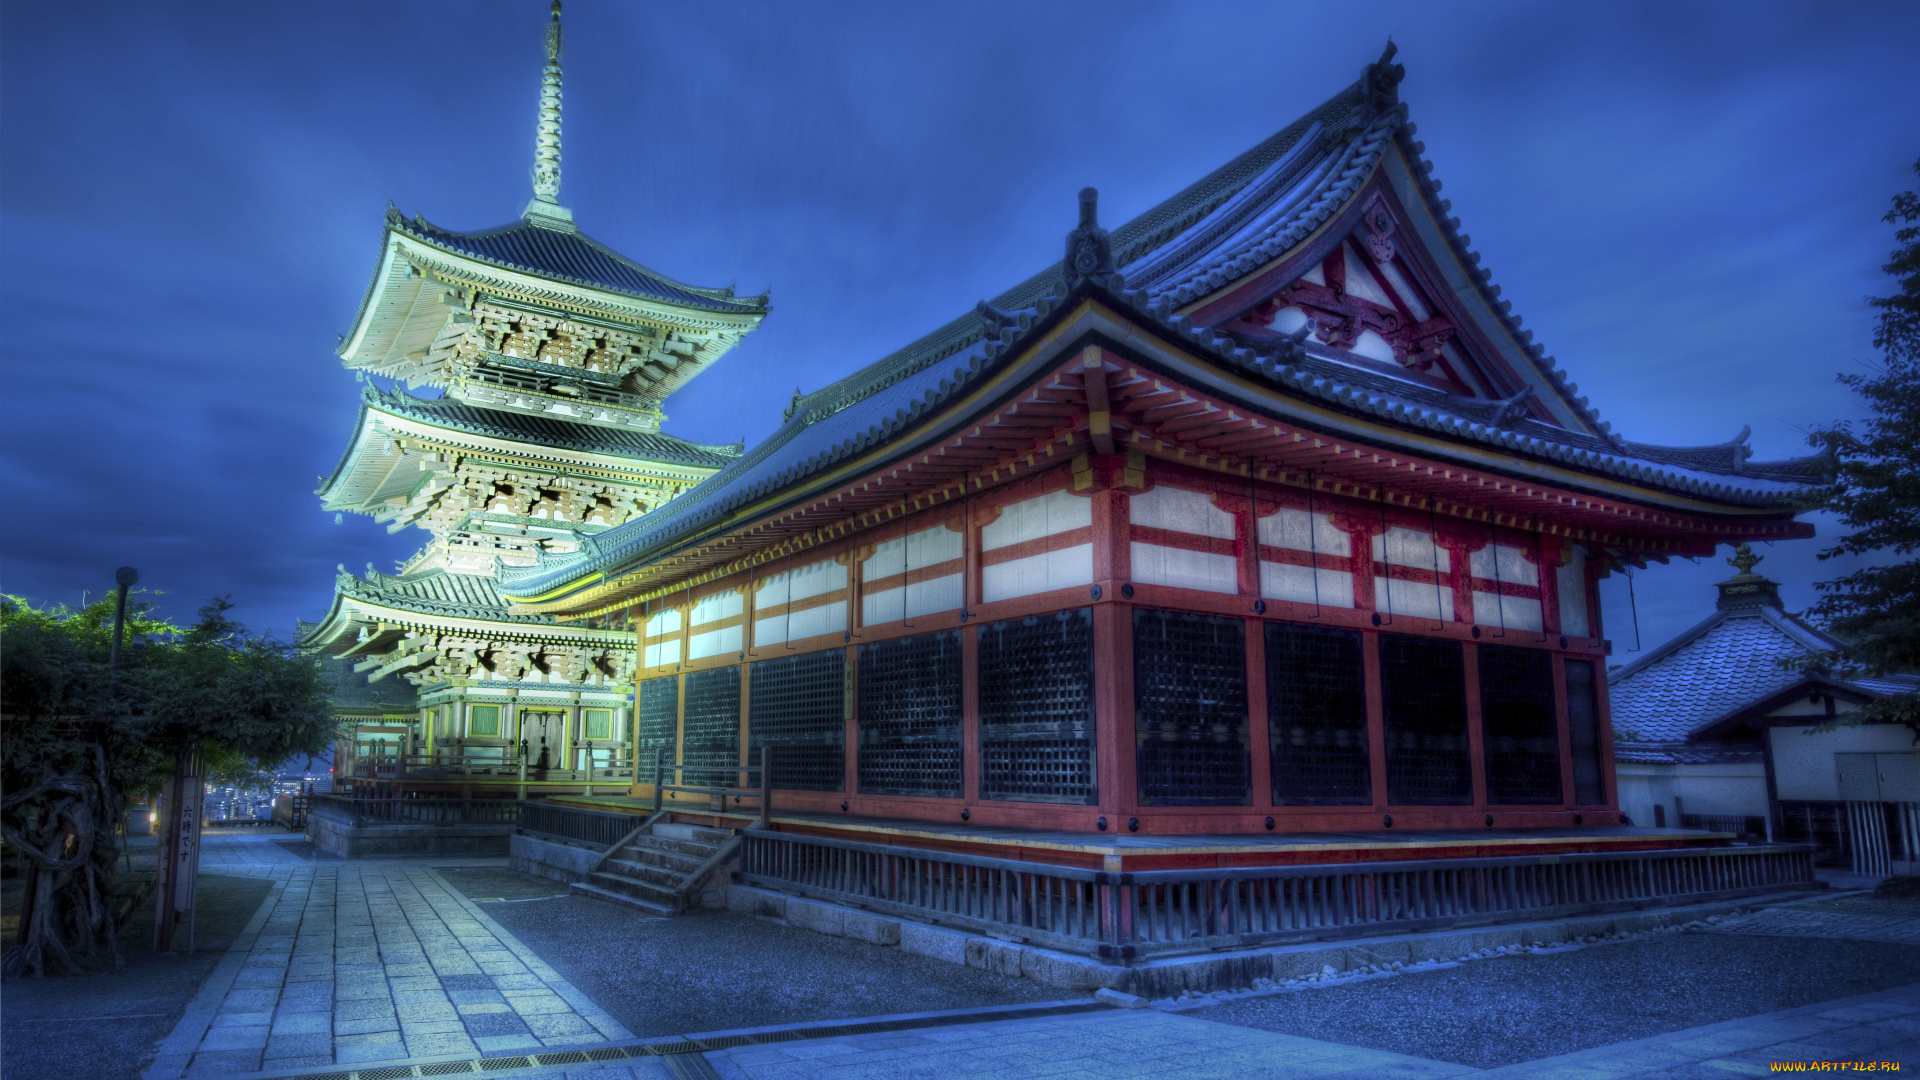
(1200, 974)
(363, 840)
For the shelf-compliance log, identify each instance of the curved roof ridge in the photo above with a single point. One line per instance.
(558, 251)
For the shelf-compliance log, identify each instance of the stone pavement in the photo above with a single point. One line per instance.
(1113, 1045)
(380, 962)
(1819, 922)
(352, 962)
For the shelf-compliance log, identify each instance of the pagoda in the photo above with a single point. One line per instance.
(550, 357)
(1260, 516)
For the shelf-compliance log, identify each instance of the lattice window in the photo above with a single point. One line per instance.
(657, 721)
(1516, 710)
(1036, 709)
(796, 708)
(1190, 709)
(713, 725)
(1423, 689)
(1317, 716)
(1583, 734)
(910, 716)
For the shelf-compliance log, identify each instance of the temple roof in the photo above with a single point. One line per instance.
(1219, 231)
(548, 431)
(552, 248)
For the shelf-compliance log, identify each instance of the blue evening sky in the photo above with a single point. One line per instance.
(1682, 199)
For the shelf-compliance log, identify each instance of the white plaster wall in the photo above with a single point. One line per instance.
(1642, 786)
(1722, 789)
(1156, 565)
(1803, 767)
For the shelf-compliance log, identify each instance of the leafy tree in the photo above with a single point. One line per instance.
(78, 740)
(1873, 484)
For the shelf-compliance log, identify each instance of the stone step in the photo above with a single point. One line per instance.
(684, 848)
(676, 861)
(611, 896)
(664, 895)
(661, 876)
(676, 830)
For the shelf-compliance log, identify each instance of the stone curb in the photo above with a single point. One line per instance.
(176, 1052)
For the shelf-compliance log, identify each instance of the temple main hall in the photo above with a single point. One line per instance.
(1260, 514)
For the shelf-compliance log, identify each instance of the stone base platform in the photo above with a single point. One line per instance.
(1229, 970)
(365, 840)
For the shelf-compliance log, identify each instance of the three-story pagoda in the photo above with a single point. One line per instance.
(552, 356)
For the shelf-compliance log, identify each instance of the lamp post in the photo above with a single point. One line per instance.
(126, 577)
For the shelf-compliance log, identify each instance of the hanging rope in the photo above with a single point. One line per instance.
(1499, 587)
(1385, 560)
(1433, 540)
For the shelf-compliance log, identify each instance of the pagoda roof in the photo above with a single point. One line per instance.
(368, 470)
(1173, 262)
(1721, 669)
(434, 592)
(548, 431)
(553, 248)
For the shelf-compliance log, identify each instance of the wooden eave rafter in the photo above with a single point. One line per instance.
(1049, 423)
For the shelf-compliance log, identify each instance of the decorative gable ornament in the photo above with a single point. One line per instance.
(1089, 252)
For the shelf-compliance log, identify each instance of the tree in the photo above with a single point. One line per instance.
(78, 740)
(1873, 484)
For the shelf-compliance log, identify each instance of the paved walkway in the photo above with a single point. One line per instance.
(1817, 922)
(381, 962)
(353, 962)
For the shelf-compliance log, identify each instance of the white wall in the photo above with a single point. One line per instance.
(1803, 767)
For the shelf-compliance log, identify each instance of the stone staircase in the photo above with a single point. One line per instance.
(661, 869)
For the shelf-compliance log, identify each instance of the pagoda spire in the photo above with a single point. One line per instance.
(546, 142)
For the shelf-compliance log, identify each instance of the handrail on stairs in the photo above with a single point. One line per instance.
(719, 856)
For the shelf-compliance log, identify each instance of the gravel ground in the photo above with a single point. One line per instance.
(715, 970)
(1488, 1013)
(106, 1025)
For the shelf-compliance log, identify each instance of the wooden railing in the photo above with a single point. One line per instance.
(451, 764)
(1126, 915)
(752, 780)
(598, 827)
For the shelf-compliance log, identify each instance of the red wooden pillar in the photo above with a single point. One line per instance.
(1563, 728)
(1376, 718)
(1604, 710)
(1259, 739)
(1113, 708)
(1476, 728)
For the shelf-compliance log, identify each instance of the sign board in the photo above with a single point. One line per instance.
(189, 793)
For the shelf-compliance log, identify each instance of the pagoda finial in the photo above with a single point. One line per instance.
(546, 142)
(1746, 590)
